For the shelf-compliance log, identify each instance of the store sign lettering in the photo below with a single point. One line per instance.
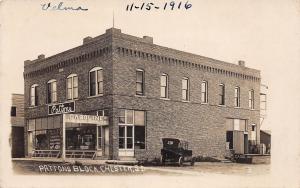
(61, 108)
(80, 118)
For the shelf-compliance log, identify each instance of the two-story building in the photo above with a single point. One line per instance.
(118, 95)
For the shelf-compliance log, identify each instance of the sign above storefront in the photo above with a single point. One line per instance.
(61, 108)
(88, 119)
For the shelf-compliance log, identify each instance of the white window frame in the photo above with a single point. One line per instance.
(166, 86)
(72, 77)
(138, 82)
(204, 100)
(222, 94)
(33, 96)
(53, 93)
(237, 96)
(187, 90)
(99, 137)
(97, 93)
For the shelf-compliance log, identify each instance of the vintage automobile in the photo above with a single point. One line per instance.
(176, 151)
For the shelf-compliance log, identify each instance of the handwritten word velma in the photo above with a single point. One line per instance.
(61, 6)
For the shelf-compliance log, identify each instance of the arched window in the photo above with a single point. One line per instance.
(72, 87)
(51, 91)
(34, 95)
(96, 81)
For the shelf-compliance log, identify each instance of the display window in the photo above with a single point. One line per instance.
(81, 138)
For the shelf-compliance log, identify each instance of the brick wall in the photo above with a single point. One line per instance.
(203, 125)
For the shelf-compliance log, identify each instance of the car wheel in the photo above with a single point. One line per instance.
(162, 160)
(180, 161)
(192, 162)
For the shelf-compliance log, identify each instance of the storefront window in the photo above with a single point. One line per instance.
(81, 138)
(139, 137)
(41, 140)
(131, 129)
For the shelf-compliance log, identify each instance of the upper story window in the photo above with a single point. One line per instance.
(51, 91)
(164, 86)
(13, 111)
(185, 89)
(204, 92)
(251, 99)
(140, 85)
(96, 81)
(221, 94)
(72, 87)
(237, 97)
(34, 95)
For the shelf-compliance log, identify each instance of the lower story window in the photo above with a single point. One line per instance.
(81, 138)
(132, 130)
(47, 139)
(126, 137)
(139, 137)
(229, 139)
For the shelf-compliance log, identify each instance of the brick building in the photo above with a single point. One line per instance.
(17, 125)
(142, 92)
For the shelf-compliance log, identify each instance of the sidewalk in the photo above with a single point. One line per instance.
(82, 161)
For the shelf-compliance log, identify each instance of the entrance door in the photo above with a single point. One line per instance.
(30, 143)
(126, 140)
(238, 142)
(245, 143)
(106, 140)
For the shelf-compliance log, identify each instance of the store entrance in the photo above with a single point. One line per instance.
(83, 136)
(126, 140)
(106, 140)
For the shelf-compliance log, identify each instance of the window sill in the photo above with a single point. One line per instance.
(143, 96)
(185, 101)
(205, 103)
(237, 107)
(220, 105)
(89, 97)
(166, 99)
(32, 107)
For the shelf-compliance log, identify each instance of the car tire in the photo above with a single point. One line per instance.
(180, 161)
(192, 162)
(162, 160)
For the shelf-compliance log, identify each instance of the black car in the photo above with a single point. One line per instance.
(176, 151)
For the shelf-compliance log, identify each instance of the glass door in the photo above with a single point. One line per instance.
(126, 141)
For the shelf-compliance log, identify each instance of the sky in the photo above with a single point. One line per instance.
(263, 33)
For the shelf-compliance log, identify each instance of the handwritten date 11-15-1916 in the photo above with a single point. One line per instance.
(172, 5)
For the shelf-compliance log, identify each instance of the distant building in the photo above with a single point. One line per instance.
(17, 125)
(118, 95)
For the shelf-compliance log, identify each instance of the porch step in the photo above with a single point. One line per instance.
(127, 158)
